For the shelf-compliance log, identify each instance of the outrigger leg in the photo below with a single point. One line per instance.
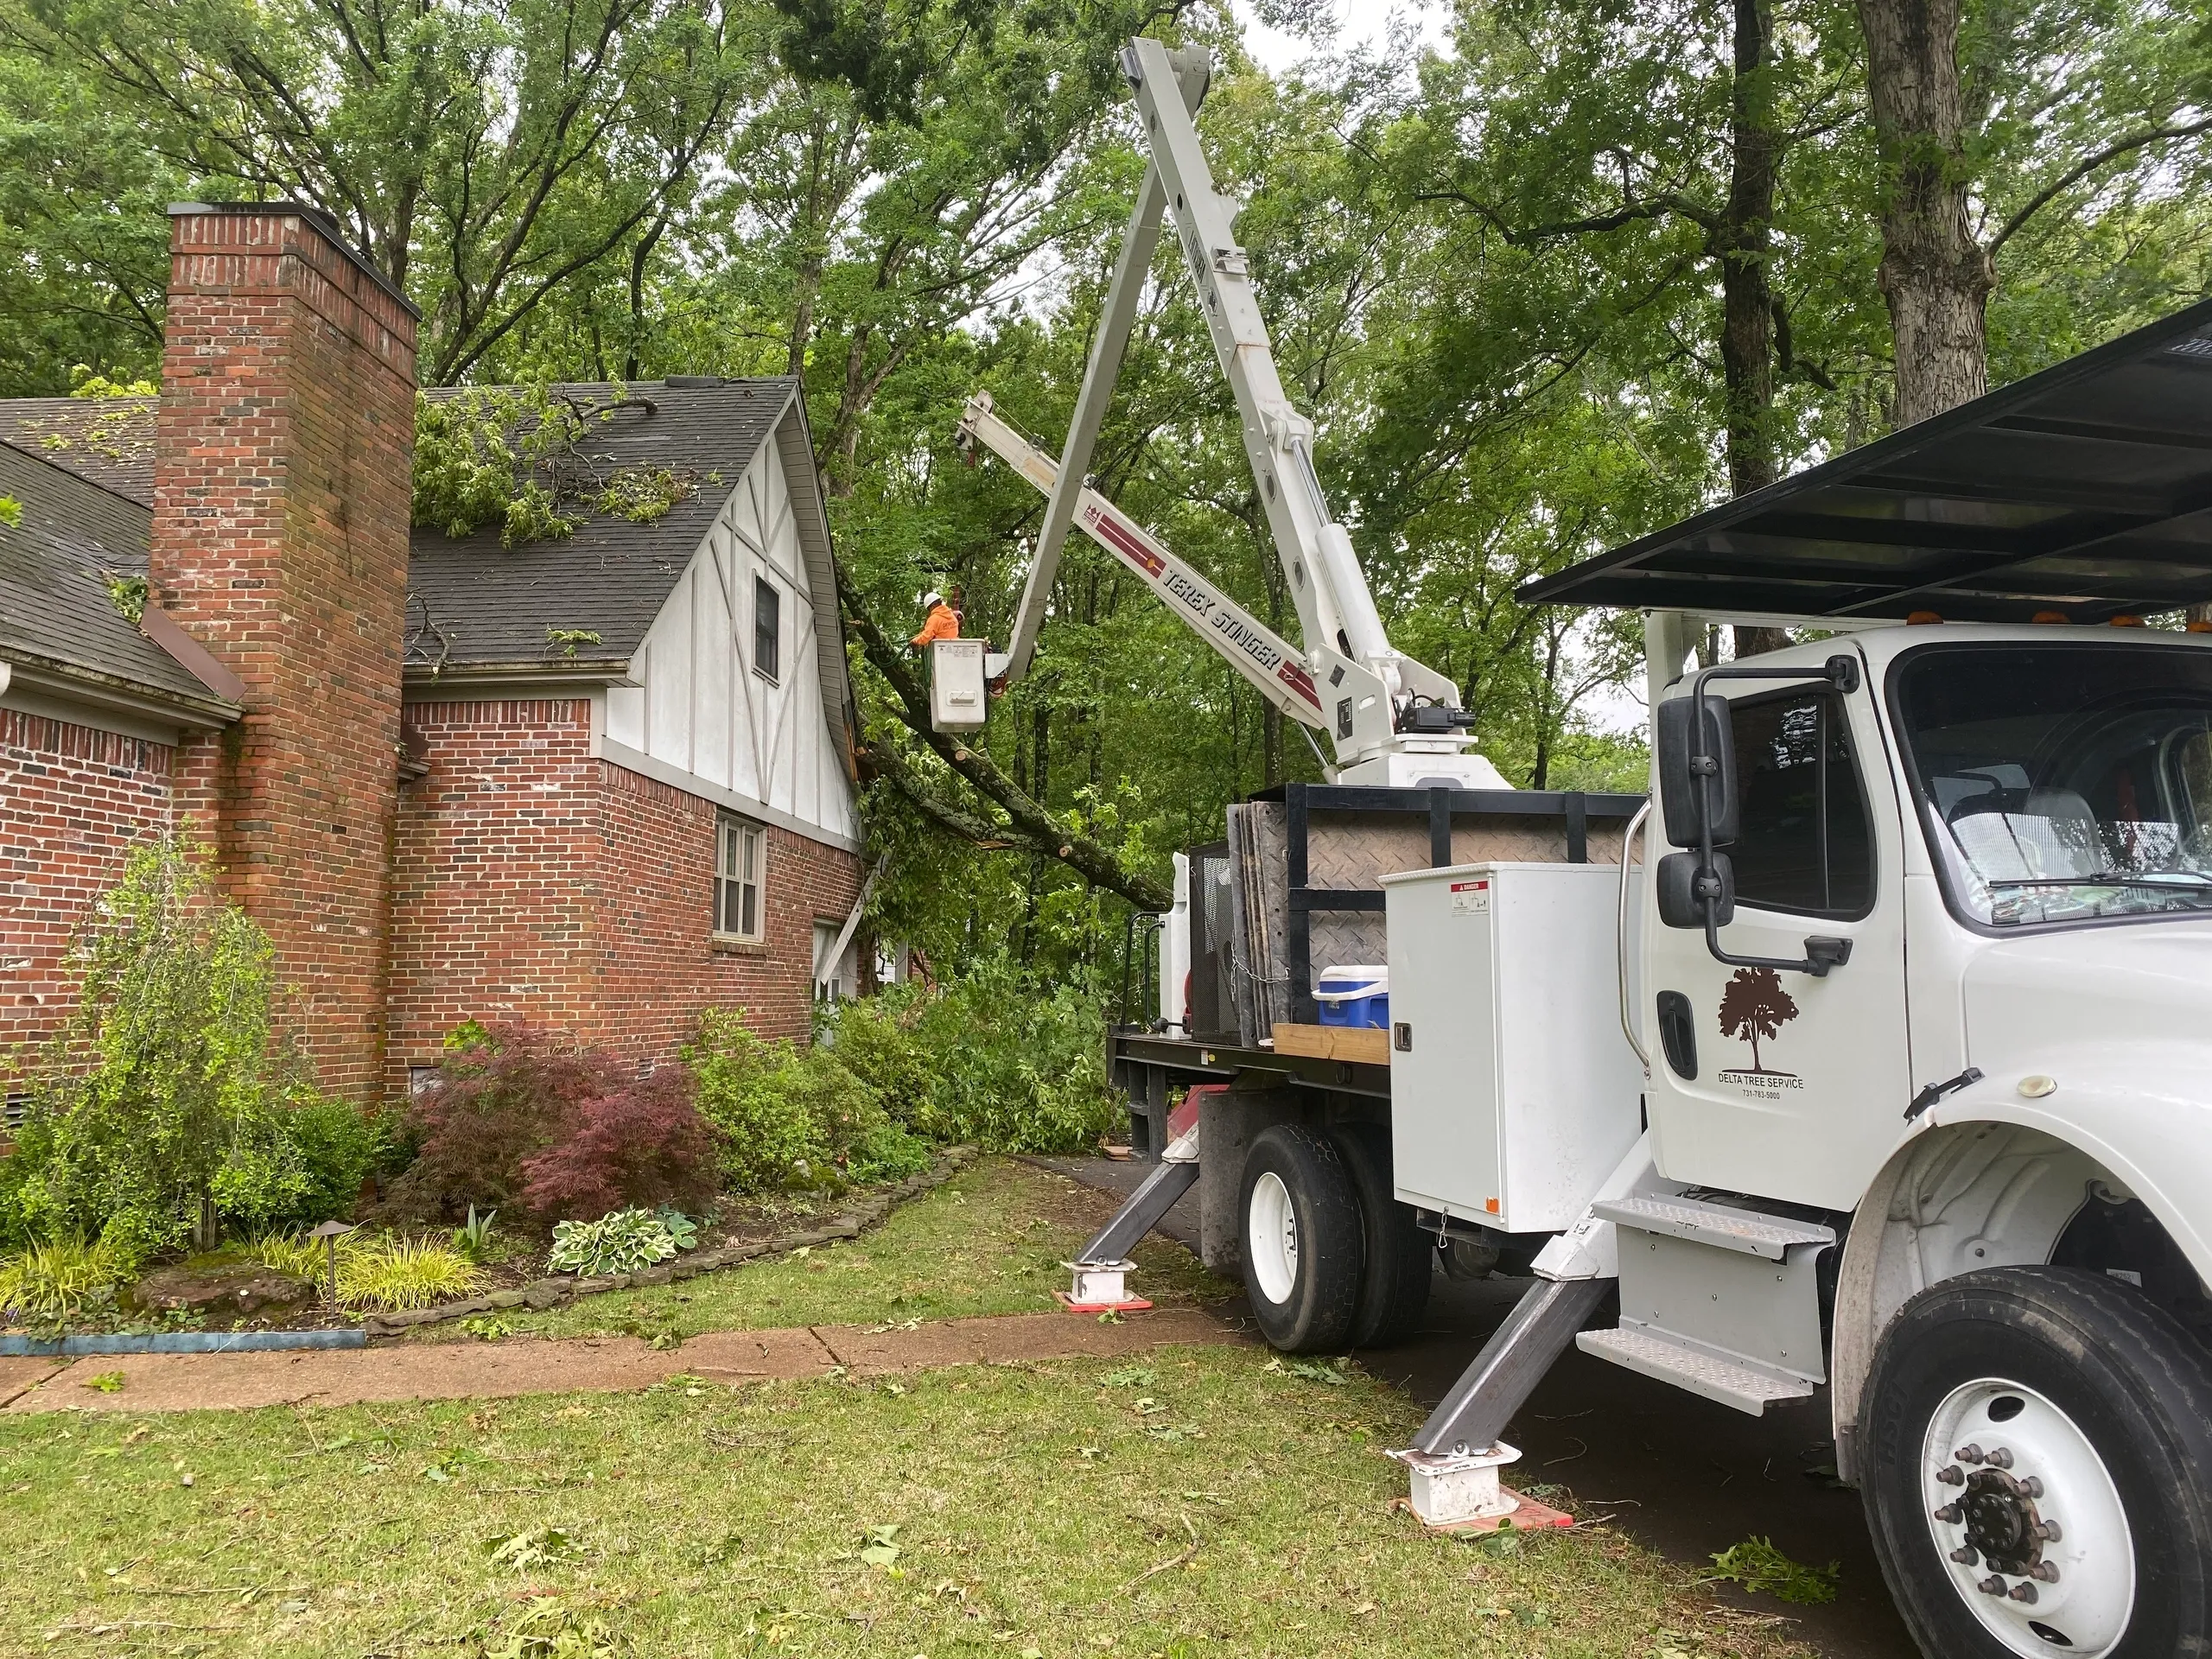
(1101, 1267)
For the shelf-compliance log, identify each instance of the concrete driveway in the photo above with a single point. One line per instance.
(1684, 1476)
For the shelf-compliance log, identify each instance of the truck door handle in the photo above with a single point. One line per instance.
(1678, 1033)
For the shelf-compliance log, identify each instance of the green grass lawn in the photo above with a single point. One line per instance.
(1198, 1501)
(990, 1241)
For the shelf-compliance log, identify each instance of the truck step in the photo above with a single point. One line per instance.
(1716, 1224)
(1731, 1384)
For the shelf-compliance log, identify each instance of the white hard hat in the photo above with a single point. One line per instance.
(932, 597)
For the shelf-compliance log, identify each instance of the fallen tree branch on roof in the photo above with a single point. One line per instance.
(1029, 824)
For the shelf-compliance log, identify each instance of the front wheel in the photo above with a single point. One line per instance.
(2040, 1444)
(1303, 1248)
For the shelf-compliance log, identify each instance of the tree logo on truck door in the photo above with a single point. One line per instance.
(1754, 1008)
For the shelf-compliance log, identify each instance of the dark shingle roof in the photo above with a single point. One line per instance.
(107, 440)
(55, 609)
(476, 603)
(472, 603)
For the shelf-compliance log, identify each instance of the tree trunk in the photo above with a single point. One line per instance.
(1741, 242)
(1934, 275)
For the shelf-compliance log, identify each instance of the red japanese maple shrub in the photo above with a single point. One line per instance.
(641, 1144)
(499, 1101)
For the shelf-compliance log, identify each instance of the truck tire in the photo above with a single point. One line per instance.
(1398, 1257)
(2036, 1447)
(1303, 1249)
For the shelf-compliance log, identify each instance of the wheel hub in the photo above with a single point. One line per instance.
(2001, 1522)
(2028, 1522)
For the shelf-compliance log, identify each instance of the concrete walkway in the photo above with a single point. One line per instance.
(583, 1364)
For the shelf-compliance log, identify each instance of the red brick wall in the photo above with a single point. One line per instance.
(663, 965)
(72, 801)
(535, 882)
(281, 505)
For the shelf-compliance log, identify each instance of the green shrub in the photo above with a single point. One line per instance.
(785, 1118)
(888, 1152)
(62, 1278)
(164, 1093)
(990, 1058)
(394, 1272)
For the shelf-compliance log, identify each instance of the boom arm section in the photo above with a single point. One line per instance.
(1275, 667)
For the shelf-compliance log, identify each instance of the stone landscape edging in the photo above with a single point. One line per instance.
(560, 1290)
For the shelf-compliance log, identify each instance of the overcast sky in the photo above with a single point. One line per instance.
(1359, 23)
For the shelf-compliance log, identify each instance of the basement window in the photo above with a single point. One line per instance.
(741, 849)
(767, 629)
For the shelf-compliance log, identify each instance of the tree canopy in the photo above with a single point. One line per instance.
(1560, 280)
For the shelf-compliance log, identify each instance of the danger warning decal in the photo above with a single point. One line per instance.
(1471, 898)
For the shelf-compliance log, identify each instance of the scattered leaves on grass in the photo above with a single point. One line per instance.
(1759, 1568)
(523, 1552)
(1312, 1370)
(106, 1382)
(881, 1548)
(550, 1629)
(1129, 1376)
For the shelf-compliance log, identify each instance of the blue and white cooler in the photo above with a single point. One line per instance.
(1354, 997)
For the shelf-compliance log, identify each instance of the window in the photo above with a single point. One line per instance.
(1804, 844)
(739, 850)
(829, 980)
(2064, 782)
(422, 1079)
(768, 628)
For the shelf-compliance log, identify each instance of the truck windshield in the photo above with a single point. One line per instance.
(2065, 782)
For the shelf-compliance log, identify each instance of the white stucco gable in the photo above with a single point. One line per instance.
(763, 732)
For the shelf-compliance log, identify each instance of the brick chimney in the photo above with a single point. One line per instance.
(281, 465)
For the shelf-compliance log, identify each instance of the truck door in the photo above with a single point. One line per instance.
(1763, 1080)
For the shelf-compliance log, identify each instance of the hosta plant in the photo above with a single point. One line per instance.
(621, 1243)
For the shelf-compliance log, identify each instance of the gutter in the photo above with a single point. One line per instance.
(583, 670)
(77, 683)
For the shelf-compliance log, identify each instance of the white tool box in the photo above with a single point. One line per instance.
(1513, 1092)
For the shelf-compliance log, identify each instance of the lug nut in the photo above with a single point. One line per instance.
(2000, 1459)
(1949, 1515)
(2024, 1593)
(2045, 1571)
(2033, 1488)
(1951, 1475)
(1966, 1555)
(1968, 1455)
(2046, 1530)
(1991, 1586)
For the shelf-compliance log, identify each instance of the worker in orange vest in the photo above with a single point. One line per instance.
(943, 621)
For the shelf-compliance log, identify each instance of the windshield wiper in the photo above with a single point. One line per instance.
(2177, 882)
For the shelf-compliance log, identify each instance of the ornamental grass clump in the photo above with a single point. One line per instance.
(62, 1278)
(395, 1273)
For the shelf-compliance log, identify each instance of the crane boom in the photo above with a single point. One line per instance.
(1275, 666)
(1392, 720)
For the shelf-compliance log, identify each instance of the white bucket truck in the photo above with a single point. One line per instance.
(1886, 1068)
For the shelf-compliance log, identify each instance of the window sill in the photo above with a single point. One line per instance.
(729, 947)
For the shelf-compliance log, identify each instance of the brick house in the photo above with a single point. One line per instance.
(598, 783)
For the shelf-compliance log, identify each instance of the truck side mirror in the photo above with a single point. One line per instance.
(1680, 797)
(1676, 888)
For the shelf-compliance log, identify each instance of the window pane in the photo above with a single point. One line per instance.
(1804, 844)
(767, 627)
(752, 909)
(2063, 782)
